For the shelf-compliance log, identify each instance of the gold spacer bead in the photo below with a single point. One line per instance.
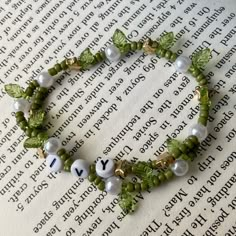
(164, 160)
(147, 48)
(73, 63)
(41, 153)
(122, 168)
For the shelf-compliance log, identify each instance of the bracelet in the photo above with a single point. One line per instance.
(105, 173)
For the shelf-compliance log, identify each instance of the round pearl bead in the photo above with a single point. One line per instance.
(180, 167)
(21, 105)
(182, 64)
(112, 53)
(52, 145)
(199, 130)
(45, 80)
(80, 168)
(113, 185)
(54, 163)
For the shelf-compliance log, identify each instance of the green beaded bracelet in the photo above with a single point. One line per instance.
(106, 174)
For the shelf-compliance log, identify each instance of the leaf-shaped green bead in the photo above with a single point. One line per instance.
(14, 90)
(36, 119)
(86, 59)
(32, 142)
(167, 40)
(201, 58)
(119, 39)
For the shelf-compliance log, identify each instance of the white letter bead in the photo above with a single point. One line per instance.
(54, 163)
(80, 168)
(105, 167)
(182, 64)
(112, 53)
(45, 80)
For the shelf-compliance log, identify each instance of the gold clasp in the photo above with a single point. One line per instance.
(122, 168)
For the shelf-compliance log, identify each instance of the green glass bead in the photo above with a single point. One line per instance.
(43, 90)
(42, 135)
(58, 67)
(168, 54)
(155, 180)
(101, 186)
(35, 106)
(200, 77)
(161, 177)
(38, 101)
(196, 72)
(98, 57)
(35, 83)
(23, 124)
(130, 187)
(65, 156)
(35, 132)
(191, 155)
(29, 91)
(202, 120)
(66, 168)
(92, 177)
(183, 147)
(204, 107)
(203, 82)
(133, 46)
(61, 151)
(19, 119)
(68, 162)
(189, 143)
(168, 174)
(173, 57)
(139, 45)
(28, 132)
(31, 85)
(137, 187)
(194, 139)
(97, 180)
(64, 66)
(204, 114)
(175, 152)
(92, 168)
(102, 54)
(127, 47)
(184, 157)
(144, 186)
(52, 71)
(39, 95)
(19, 114)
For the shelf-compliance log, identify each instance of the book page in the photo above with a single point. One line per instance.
(122, 110)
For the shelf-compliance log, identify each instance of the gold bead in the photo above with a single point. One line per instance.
(122, 168)
(41, 153)
(164, 160)
(73, 63)
(147, 48)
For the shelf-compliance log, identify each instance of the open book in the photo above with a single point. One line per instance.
(93, 114)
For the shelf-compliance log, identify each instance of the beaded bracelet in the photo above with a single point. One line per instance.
(105, 173)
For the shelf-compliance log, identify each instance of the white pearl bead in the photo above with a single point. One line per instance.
(21, 105)
(199, 130)
(105, 167)
(80, 168)
(113, 185)
(54, 163)
(180, 167)
(45, 80)
(52, 145)
(182, 64)
(112, 53)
